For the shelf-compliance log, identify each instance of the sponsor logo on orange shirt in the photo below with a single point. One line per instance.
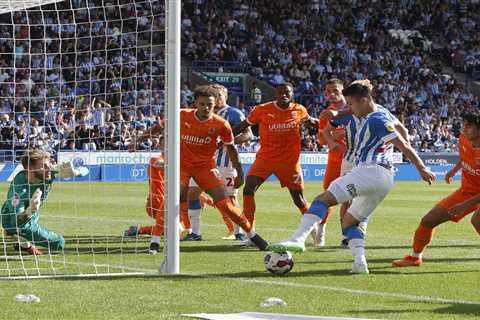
(196, 140)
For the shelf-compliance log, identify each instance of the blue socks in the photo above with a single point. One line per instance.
(353, 232)
(318, 208)
(194, 204)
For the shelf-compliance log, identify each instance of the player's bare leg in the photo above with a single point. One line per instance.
(225, 205)
(343, 211)
(476, 221)
(314, 215)
(252, 184)
(423, 236)
(237, 232)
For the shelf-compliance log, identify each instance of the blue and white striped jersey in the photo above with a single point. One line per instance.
(367, 137)
(234, 116)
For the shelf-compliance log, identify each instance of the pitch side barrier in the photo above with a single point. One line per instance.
(125, 166)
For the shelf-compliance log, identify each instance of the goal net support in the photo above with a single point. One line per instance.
(83, 80)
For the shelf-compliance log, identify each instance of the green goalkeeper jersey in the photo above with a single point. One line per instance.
(18, 198)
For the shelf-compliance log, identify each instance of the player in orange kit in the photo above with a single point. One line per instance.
(154, 205)
(334, 96)
(279, 124)
(461, 202)
(200, 132)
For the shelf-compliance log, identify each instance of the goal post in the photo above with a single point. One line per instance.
(173, 72)
(81, 80)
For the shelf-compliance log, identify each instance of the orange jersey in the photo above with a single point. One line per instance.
(339, 132)
(279, 131)
(199, 139)
(470, 159)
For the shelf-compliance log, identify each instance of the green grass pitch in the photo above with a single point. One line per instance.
(219, 277)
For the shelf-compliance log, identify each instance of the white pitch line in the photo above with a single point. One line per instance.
(289, 284)
(346, 290)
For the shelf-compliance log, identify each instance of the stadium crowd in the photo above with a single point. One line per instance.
(280, 41)
(82, 79)
(60, 64)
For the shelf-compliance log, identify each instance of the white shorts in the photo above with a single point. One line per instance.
(228, 175)
(346, 167)
(366, 186)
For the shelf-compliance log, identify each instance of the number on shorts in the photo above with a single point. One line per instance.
(229, 182)
(297, 178)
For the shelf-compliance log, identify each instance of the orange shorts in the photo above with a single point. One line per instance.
(290, 175)
(207, 177)
(457, 197)
(332, 172)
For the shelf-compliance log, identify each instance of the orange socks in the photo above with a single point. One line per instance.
(422, 238)
(184, 219)
(145, 230)
(228, 222)
(228, 209)
(249, 208)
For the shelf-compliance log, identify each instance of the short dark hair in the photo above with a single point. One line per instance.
(335, 81)
(472, 118)
(205, 91)
(357, 90)
(286, 84)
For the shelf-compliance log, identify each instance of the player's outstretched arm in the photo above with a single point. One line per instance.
(331, 114)
(450, 174)
(245, 136)
(412, 155)
(34, 206)
(402, 131)
(311, 122)
(66, 170)
(233, 155)
(328, 138)
(241, 127)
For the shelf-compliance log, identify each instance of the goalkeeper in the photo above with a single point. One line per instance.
(28, 190)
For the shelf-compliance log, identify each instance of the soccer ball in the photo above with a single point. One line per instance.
(278, 263)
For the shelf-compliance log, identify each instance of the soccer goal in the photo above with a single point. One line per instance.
(82, 80)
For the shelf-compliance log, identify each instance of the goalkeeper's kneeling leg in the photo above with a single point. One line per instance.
(43, 237)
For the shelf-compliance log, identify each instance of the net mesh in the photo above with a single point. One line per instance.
(80, 79)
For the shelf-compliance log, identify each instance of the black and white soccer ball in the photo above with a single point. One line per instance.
(278, 263)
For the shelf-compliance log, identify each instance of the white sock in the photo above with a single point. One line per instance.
(194, 216)
(251, 234)
(305, 227)
(357, 246)
(24, 243)
(321, 229)
(417, 255)
(155, 239)
(237, 229)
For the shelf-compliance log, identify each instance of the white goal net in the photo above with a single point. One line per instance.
(81, 80)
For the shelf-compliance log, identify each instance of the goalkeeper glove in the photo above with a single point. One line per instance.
(66, 170)
(34, 206)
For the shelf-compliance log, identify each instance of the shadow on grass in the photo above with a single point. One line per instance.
(460, 309)
(388, 247)
(389, 261)
(450, 309)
